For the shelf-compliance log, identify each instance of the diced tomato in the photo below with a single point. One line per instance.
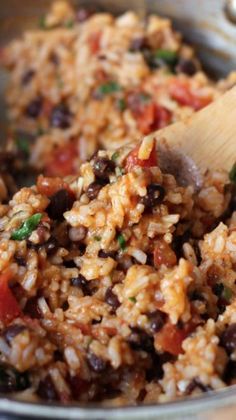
(163, 254)
(181, 92)
(9, 308)
(152, 117)
(170, 339)
(47, 108)
(132, 159)
(62, 162)
(49, 186)
(94, 42)
(145, 118)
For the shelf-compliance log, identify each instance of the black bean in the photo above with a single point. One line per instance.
(12, 331)
(140, 340)
(51, 246)
(218, 289)
(65, 305)
(157, 320)
(137, 44)
(83, 14)
(54, 58)
(46, 390)
(111, 299)
(197, 251)
(178, 242)
(156, 370)
(69, 264)
(61, 116)
(34, 108)
(186, 66)
(196, 383)
(107, 254)
(150, 259)
(32, 309)
(82, 283)
(150, 59)
(228, 338)
(103, 167)
(96, 363)
(27, 77)
(196, 295)
(155, 195)
(93, 189)
(60, 202)
(6, 160)
(11, 380)
(230, 372)
(58, 356)
(20, 260)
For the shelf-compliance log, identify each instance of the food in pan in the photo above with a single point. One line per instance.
(117, 285)
(86, 81)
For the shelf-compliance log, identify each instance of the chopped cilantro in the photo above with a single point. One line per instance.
(121, 104)
(121, 241)
(40, 131)
(167, 56)
(108, 88)
(227, 293)
(27, 227)
(69, 24)
(144, 97)
(22, 145)
(232, 174)
(115, 156)
(42, 22)
(133, 299)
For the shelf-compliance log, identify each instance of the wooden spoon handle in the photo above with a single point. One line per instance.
(208, 136)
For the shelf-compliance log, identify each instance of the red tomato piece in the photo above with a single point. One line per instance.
(162, 117)
(145, 118)
(180, 92)
(62, 162)
(9, 307)
(132, 159)
(153, 117)
(49, 186)
(163, 254)
(170, 339)
(94, 42)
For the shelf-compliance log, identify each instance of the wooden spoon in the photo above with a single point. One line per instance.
(206, 140)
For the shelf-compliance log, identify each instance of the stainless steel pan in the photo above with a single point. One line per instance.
(203, 23)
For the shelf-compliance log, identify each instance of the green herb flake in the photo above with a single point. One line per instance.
(42, 22)
(115, 156)
(121, 241)
(97, 238)
(108, 88)
(121, 104)
(40, 131)
(60, 82)
(22, 145)
(227, 293)
(167, 56)
(69, 24)
(27, 227)
(133, 299)
(144, 97)
(232, 174)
